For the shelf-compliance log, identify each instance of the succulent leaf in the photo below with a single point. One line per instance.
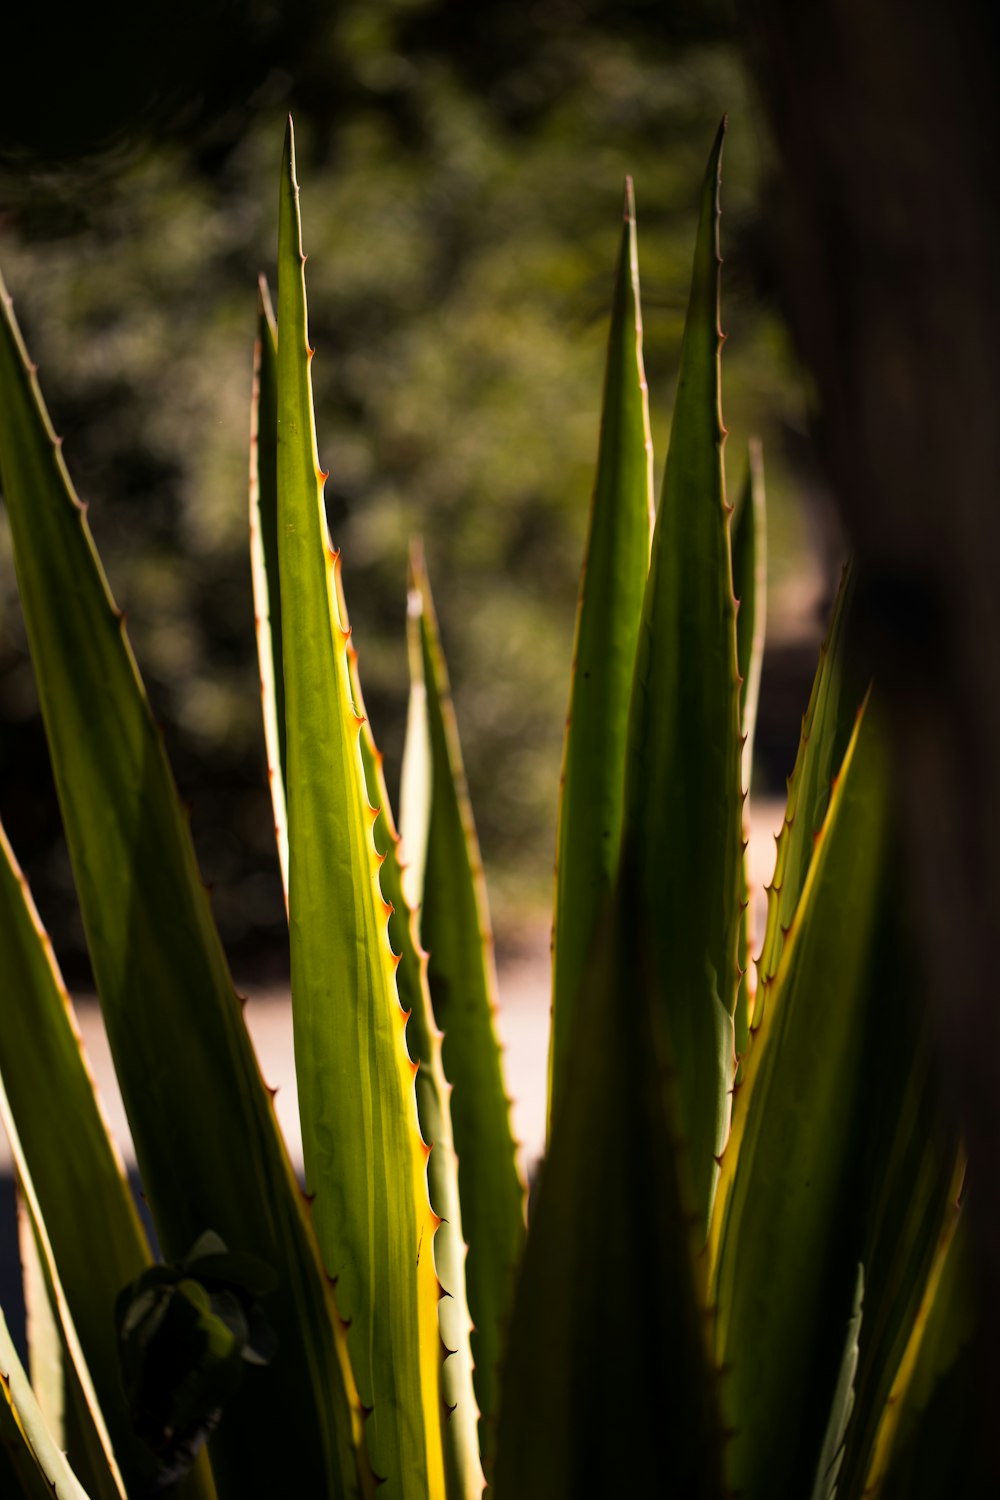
(683, 797)
(783, 1292)
(30, 1458)
(76, 1171)
(612, 584)
(264, 563)
(94, 1457)
(188, 1075)
(454, 928)
(826, 729)
(608, 1388)
(364, 1158)
(935, 1439)
(459, 1414)
(749, 538)
(460, 1432)
(831, 1455)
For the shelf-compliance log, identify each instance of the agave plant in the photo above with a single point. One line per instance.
(743, 1272)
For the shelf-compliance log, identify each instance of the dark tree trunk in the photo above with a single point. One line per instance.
(885, 114)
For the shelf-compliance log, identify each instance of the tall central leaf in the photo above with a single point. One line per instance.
(364, 1158)
(683, 796)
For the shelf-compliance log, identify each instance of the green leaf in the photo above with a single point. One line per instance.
(783, 1287)
(463, 1470)
(364, 1158)
(264, 563)
(683, 797)
(93, 1455)
(454, 927)
(938, 1334)
(612, 584)
(905, 1165)
(607, 1386)
(749, 537)
(458, 1409)
(189, 1078)
(33, 1460)
(46, 1363)
(936, 1442)
(832, 1452)
(76, 1172)
(826, 728)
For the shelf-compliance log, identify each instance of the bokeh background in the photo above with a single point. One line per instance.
(462, 171)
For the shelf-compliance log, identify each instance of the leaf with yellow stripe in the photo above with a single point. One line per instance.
(206, 1138)
(31, 1463)
(458, 1411)
(454, 927)
(460, 1414)
(364, 1158)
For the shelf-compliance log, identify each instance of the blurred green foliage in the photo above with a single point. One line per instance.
(466, 170)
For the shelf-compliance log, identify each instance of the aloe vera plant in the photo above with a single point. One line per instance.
(743, 1271)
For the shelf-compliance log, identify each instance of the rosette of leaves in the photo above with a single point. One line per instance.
(744, 1268)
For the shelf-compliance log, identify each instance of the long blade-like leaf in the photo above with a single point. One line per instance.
(454, 927)
(941, 1328)
(46, 1362)
(612, 585)
(460, 1434)
(188, 1075)
(831, 1455)
(607, 1386)
(683, 797)
(940, 1431)
(264, 564)
(782, 1292)
(364, 1158)
(75, 1169)
(33, 1460)
(463, 1474)
(749, 537)
(826, 728)
(905, 1166)
(93, 1454)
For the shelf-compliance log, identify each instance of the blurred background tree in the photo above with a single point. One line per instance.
(462, 171)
